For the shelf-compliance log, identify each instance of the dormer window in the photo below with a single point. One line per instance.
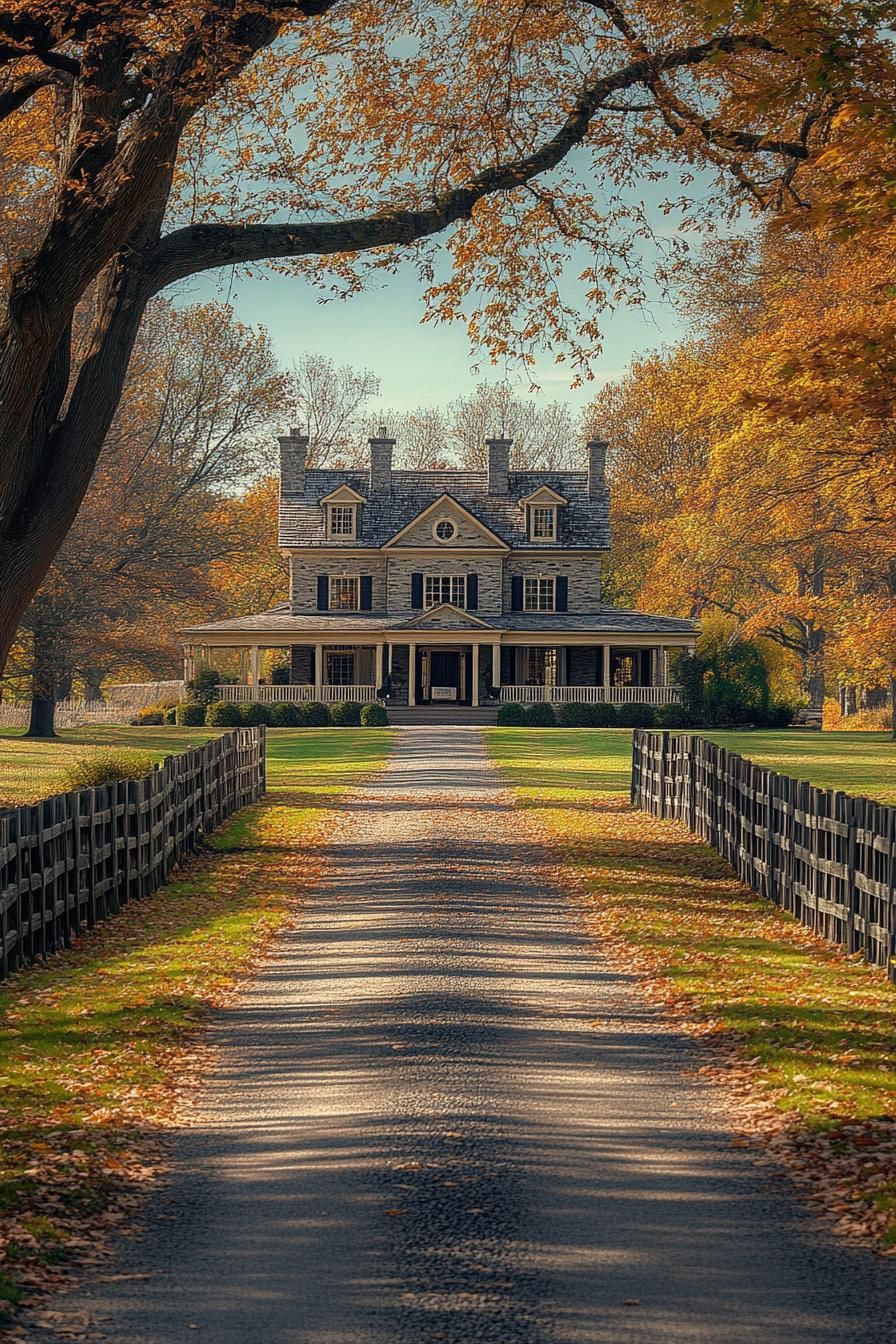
(343, 520)
(543, 514)
(341, 513)
(543, 522)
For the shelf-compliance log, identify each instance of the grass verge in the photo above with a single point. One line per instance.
(94, 1046)
(805, 1037)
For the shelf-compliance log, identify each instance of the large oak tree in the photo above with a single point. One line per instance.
(149, 142)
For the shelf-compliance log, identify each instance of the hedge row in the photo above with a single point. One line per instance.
(635, 715)
(283, 714)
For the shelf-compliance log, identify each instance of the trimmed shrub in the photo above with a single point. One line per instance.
(345, 714)
(511, 715)
(105, 767)
(541, 716)
(636, 715)
(254, 715)
(223, 714)
(672, 716)
(284, 714)
(317, 715)
(374, 716)
(190, 714)
(575, 715)
(780, 715)
(171, 714)
(603, 716)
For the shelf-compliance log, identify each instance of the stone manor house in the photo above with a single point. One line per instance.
(444, 587)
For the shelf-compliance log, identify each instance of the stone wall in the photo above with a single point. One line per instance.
(583, 573)
(304, 572)
(401, 567)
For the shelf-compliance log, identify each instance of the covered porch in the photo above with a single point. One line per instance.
(441, 667)
(589, 673)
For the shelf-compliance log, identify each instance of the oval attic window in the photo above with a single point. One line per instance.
(445, 530)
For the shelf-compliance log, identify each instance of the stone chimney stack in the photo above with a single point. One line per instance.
(381, 463)
(498, 463)
(293, 454)
(597, 468)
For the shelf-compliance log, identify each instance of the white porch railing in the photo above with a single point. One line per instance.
(592, 695)
(274, 694)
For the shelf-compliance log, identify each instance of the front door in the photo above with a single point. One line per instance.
(444, 677)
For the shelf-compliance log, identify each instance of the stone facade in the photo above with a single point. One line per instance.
(304, 571)
(401, 567)
(468, 533)
(582, 573)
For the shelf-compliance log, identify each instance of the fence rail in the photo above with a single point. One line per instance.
(71, 860)
(827, 857)
(592, 695)
(293, 693)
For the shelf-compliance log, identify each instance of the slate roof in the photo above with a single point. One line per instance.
(584, 523)
(602, 621)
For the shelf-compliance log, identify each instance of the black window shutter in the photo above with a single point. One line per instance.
(472, 592)
(417, 592)
(367, 592)
(516, 592)
(323, 592)
(562, 593)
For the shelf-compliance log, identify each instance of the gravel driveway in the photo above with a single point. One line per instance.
(438, 1117)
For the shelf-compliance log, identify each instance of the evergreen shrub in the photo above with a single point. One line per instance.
(190, 714)
(374, 716)
(223, 714)
(511, 715)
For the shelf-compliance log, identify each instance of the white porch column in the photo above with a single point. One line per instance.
(606, 649)
(255, 664)
(662, 667)
(379, 677)
(318, 664)
(496, 665)
(474, 689)
(189, 662)
(244, 666)
(412, 674)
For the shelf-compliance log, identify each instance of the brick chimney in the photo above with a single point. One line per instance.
(293, 454)
(498, 462)
(597, 468)
(381, 463)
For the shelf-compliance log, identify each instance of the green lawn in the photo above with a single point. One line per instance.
(597, 760)
(30, 770)
(91, 1045)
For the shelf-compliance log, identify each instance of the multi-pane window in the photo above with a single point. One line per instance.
(544, 523)
(341, 669)
(343, 594)
(538, 595)
(342, 520)
(539, 667)
(445, 588)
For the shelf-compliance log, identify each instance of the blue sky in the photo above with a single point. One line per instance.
(418, 364)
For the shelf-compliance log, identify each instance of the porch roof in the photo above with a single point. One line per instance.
(280, 621)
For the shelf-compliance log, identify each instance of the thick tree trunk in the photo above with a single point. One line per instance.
(893, 705)
(43, 713)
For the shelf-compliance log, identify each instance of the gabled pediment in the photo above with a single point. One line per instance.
(343, 494)
(445, 615)
(544, 495)
(470, 531)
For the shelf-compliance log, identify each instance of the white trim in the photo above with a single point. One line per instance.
(543, 508)
(429, 612)
(544, 492)
(444, 518)
(349, 508)
(343, 494)
(541, 578)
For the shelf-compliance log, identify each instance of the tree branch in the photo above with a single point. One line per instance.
(201, 247)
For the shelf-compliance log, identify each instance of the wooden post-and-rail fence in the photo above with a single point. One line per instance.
(71, 860)
(827, 857)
